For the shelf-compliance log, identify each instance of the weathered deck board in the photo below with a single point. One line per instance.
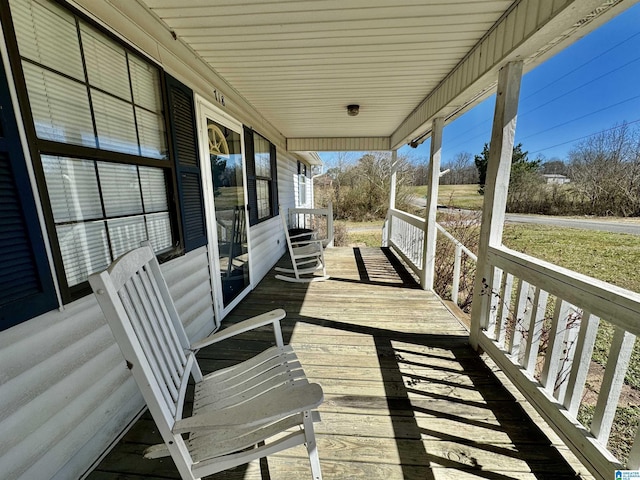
(405, 397)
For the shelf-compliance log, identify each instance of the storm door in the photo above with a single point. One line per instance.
(225, 200)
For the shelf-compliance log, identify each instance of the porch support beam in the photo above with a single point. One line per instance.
(392, 197)
(394, 178)
(496, 189)
(431, 233)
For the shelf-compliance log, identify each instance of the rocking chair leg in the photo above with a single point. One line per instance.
(312, 447)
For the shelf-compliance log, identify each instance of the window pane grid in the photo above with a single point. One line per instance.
(103, 209)
(125, 97)
(262, 190)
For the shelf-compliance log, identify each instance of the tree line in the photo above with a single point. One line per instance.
(603, 169)
(604, 173)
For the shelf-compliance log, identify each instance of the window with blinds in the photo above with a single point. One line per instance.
(261, 177)
(98, 122)
(85, 88)
(101, 210)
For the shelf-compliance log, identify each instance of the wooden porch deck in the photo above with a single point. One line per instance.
(405, 396)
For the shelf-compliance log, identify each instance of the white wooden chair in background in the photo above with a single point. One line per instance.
(240, 413)
(307, 256)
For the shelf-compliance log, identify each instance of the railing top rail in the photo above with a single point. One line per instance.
(457, 242)
(312, 211)
(617, 305)
(408, 217)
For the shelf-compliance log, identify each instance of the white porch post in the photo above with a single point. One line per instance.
(431, 233)
(392, 197)
(496, 189)
(394, 172)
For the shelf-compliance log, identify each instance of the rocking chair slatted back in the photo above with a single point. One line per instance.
(154, 348)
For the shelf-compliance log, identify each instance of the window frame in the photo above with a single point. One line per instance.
(42, 147)
(253, 178)
(302, 183)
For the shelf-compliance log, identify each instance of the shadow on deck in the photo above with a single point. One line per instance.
(405, 396)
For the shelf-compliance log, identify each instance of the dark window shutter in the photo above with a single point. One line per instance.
(25, 277)
(185, 152)
(251, 176)
(274, 182)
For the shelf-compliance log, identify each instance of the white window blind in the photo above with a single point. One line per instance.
(144, 81)
(103, 209)
(73, 188)
(124, 109)
(106, 63)
(302, 190)
(154, 187)
(84, 250)
(115, 123)
(120, 189)
(60, 107)
(262, 190)
(126, 234)
(47, 35)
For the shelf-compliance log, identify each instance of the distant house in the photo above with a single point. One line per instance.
(555, 179)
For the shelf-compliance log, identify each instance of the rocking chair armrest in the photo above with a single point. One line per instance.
(274, 405)
(302, 235)
(274, 317)
(305, 242)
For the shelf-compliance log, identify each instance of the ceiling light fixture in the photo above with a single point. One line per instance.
(353, 110)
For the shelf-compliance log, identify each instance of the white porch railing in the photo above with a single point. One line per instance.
(547, 356)
(460, 249)
(317, 219)
(405, 233)
(521, 289)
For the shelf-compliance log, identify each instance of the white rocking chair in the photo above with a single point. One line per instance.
(307, 257)
(240, 413)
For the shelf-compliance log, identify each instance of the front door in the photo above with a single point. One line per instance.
(226, 206)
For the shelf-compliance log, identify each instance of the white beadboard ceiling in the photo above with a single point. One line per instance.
(301, 62)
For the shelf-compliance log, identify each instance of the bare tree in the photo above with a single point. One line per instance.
(605, 172)
(461, 170)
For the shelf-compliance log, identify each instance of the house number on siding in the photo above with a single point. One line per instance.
(219, 97)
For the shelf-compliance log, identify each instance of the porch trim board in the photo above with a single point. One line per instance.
(338, 144)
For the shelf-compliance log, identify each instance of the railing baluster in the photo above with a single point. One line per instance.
(536, 324)
(617, 363)
(492, 304)
(503, 308)
(554, 348)
(581, 362)
(455, 286)
(523, 297)
(574, 320)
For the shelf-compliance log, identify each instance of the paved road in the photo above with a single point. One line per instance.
(586, 224)
(614, 226)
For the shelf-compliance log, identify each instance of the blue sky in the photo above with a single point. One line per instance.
(586, 88)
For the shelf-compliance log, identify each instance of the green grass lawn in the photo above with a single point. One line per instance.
(612, 257)
(454, 196)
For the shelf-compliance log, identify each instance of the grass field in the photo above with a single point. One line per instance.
(454, 196)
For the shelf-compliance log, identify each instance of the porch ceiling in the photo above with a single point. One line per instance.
(301, 62)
